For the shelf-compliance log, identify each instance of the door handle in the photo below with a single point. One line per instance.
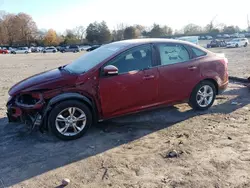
(192, 68)
(148, 77)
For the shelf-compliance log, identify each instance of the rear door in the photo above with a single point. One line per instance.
(178, 72)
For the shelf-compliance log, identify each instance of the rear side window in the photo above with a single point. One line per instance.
(173, 53)
(197, 52)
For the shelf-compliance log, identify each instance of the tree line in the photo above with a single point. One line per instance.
(21, 29)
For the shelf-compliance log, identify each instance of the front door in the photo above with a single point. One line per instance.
(134, 88)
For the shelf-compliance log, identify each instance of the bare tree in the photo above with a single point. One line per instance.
(26, 27)
(79, 32)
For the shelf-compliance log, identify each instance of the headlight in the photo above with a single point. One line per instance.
(9, 99)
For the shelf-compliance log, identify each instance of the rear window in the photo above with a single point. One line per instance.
(197, 52)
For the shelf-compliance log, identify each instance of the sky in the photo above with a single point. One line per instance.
(67, 14)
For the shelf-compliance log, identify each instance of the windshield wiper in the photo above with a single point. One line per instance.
(62, 68)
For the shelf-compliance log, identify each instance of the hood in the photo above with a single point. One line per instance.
(47, 80)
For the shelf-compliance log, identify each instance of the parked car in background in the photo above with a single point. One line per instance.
(216, 43)
(202, 37)
(21, 50)
(93, 48)
(209, 37)
(247, 34)
(72, 48)
(219, 36)
(155, 72)
(4, 51)
(193, 39)
(235, 35)
(50, 50)
(237, 42)
(241, 35)
(226, 36)
(85, 47)
(35, 49)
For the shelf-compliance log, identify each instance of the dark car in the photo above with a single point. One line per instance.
(93, 48)
(216, 43)
(117, 79)
(70, 49)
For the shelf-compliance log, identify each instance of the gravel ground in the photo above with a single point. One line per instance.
(212, 147)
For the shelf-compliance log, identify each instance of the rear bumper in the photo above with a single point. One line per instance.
(222, 88)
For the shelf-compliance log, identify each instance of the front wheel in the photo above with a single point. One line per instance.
(203, 96)
(70, 119)
(245, 45)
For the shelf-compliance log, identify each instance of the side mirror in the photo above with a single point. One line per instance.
(110, 70)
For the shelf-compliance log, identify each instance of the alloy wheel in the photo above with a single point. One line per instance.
(70, 121)
(205, 96)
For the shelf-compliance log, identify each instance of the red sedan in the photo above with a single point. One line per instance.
(118, 79)
(4, 51)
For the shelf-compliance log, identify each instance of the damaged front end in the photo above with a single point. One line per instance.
(27, 108)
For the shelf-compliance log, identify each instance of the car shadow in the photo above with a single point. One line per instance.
(24, 155)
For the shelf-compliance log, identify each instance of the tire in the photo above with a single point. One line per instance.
(237, 46)
(14, 52)
(245, 45)
(26, 52)
(195, 97)
(63, 107)
(54, 51)
(44, 52)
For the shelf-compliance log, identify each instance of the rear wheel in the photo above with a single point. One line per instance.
(203, 96)
(69, 120)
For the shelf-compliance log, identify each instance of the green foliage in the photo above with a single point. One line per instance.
(158, 31)
(131, 33)
(98, 33)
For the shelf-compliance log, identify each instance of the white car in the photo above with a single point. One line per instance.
(50, 50)
(238, 42)
(21, 50)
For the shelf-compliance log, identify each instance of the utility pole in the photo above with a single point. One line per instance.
(248, 23)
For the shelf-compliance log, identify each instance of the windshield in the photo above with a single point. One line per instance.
(235, 40)
(93, 58)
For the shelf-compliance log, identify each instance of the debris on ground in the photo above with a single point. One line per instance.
(229, 138)
(234, 103)
(173, 154)
(65, 182)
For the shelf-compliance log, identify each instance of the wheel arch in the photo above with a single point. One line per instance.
(213, 81)
(70, 96)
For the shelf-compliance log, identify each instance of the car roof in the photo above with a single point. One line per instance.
(135, 42)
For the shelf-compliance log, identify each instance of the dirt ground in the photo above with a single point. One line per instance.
(213, 147)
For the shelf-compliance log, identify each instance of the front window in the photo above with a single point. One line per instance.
(135, 59)
(93, 58)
